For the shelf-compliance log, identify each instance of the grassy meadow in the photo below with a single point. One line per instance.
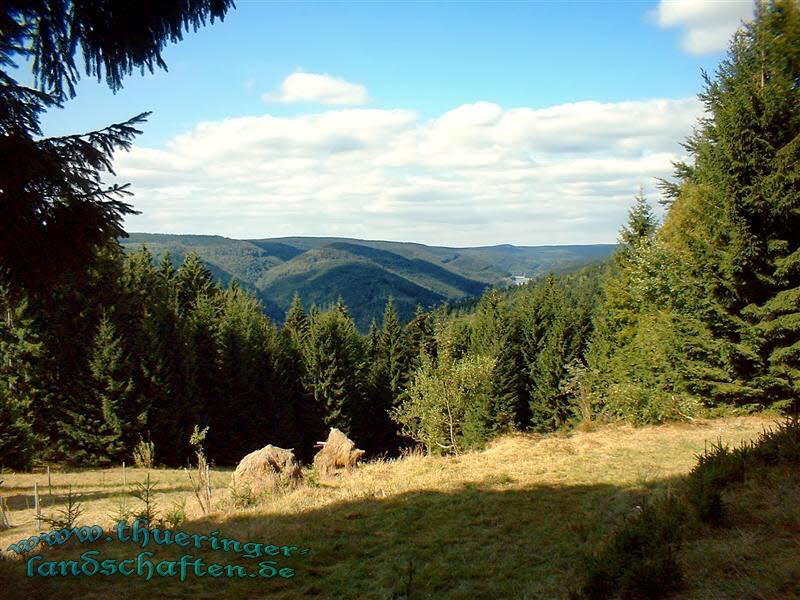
(511, 521)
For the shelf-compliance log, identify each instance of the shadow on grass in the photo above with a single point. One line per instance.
(487, 540)
(26, 501)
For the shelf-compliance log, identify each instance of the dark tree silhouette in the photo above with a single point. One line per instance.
(55, 208)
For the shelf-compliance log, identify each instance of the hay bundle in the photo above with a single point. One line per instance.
(267, 469)
(338, 452)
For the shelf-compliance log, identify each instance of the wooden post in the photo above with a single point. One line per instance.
(208, 486)
(124, 476)
(4, 524)
(38, 522)
(49, 482)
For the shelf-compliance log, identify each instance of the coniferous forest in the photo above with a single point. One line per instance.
(695, 314)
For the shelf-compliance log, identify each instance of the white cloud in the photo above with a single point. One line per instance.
(707, 24)
(322, 89)
(477, 174)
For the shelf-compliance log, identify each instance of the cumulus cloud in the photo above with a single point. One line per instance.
(707, 24)
(322, 89)
(477, 174)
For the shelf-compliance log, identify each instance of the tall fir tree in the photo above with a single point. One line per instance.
(334, 364)
(296, 321)
(511, 381)
(736, 209)
(393, 351)
(488, 324)
(193, 280)
(112, 383)
(166, 266)
(21, 391)
(555, 349)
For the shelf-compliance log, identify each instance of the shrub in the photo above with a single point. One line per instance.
(144, 454)
(243, 496)
(641, 403)
(176, 515)
(122, 512)
(640, 559)
(448, 404)
(66, 517)
(720, 466)
(201, 487)
(145, 494)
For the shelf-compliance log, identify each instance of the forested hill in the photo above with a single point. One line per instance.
(364, 273)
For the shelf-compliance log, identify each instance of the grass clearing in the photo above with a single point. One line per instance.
(508, 522)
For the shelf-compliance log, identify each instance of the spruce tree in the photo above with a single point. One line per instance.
(297, 420)
(511, 383)
(240, 416)
(165, 266)
(193, 280)
(555, 349)
(488, 324)
(736, 209)
(420, 336)
(334, 365)
(112, 383)
(21, 391)
(393, 351)
(296, 319)
(372, 342)
(88, 436)
(641, 225)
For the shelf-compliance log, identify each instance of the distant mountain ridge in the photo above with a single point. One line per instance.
(364, 272)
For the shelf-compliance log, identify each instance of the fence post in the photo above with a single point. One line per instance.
(36, 506)
(124, 476)
(4, 522)
(208, 486)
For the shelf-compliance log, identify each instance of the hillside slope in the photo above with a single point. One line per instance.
(509, 522)
(364, 272)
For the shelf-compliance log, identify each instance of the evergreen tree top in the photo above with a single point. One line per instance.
(114, 37)
(641, 223)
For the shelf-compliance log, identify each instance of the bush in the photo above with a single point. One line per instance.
(145, 493)
(448, 405)
(144, 454)
(641, 404)
(720, 466)
(176, 515)
(243, 496)
(640, 559)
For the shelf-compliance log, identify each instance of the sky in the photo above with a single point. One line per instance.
(446, 123)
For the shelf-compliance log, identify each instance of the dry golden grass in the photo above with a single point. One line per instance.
(98, 491)
(508, 522)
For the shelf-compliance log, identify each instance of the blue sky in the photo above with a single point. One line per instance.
(453, 123)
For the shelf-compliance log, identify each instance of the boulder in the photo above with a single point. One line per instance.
(338, 452)
(267, 470)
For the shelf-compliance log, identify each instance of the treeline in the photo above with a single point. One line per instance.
(141, 352)
(138, 352)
